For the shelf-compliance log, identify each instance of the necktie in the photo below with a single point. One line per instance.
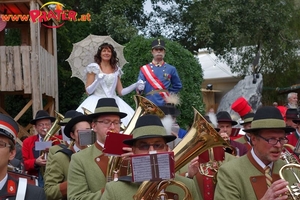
(268, 176)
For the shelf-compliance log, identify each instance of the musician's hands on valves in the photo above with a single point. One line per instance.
(225, 136)
(278, 191)
(193, 168)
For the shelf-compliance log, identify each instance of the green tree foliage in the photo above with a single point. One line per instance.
(238, 27)
(118, 18)
(241, 28)
(138, 53)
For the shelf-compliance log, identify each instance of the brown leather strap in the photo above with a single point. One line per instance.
(101, 160)
(156, 91)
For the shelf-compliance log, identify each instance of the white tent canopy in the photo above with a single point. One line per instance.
(213, 67)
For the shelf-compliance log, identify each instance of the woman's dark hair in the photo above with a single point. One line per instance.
(113, 61)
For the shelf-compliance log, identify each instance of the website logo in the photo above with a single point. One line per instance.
(55, 11)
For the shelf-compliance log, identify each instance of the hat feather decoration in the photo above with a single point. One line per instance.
(173, 99)
(167, 122)
(213, 118)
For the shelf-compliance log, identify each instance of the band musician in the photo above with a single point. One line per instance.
(291, 118)
(56, 173)
(204, 176)
(242, 107)
(225, 124)
(148, 135)
(88, 168)
(11, 188)
(255, 175)
(33, 159)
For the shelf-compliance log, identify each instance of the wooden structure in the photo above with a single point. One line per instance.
(209, 99)
(29, 69)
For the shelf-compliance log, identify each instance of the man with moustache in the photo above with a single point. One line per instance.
(161, 78)
(256, 175)
(33, 161)
(88, 168)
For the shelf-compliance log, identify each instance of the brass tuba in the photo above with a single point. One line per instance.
(201, 137)
(54, 128)
(143, 106)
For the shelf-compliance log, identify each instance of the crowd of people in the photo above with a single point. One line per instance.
(247, 167)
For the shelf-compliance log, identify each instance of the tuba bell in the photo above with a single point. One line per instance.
(201, 137)
(55, 127)
(143, 106)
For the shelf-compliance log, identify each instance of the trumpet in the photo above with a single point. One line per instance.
(294, 191)
(292, 162)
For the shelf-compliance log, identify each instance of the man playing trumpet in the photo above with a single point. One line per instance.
(88, 168)
(33, 161)
(255, 175)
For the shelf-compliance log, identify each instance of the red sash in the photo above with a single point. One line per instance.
(153, 80)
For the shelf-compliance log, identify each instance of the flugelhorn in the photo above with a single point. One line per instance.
(291, 163)
(294, 190)
(143, 106)
(200, 137)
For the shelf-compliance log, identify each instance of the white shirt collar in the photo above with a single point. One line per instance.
(76, 149)
(259, 161)
(102, 145)
(291, 106)
(3, 181)
(297, 132)
(40, 138)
